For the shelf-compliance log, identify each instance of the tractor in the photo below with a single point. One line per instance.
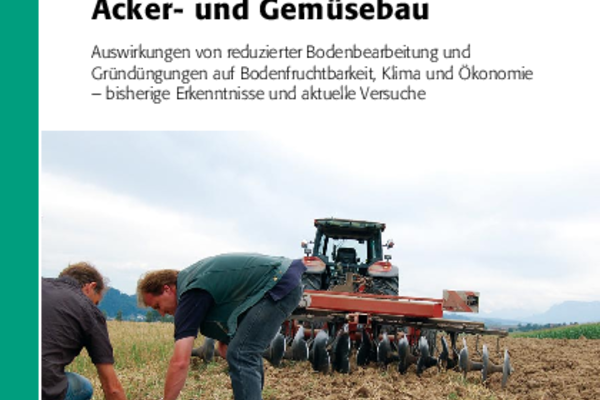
(351, 309)
(348, 255)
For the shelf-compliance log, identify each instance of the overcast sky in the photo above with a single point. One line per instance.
(515, 218)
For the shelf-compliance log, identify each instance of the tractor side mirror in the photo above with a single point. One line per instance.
(306, 246)
(390, 243)
(387, 257)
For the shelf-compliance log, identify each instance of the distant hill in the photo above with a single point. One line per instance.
(490, 323)
(115, 301)
(569, 311)
(566, 312)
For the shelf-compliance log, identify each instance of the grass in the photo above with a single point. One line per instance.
(589, 331)
(142, 352)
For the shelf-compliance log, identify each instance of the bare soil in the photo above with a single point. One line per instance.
(546, 369)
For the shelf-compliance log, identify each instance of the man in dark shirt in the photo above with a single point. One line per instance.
(241, 300)
(71, 320)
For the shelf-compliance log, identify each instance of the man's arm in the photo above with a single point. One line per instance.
(110, 383)
(178, 367)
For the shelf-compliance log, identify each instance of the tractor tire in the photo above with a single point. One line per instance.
(385, 286)
(312, 281)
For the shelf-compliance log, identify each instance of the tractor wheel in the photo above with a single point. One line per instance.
(312, 281)
(385, 286)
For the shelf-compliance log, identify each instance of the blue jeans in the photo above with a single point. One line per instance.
(254, 334)
(79, 388)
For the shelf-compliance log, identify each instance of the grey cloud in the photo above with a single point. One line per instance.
(442, 221)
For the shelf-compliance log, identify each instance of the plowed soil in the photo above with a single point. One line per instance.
(543, 369)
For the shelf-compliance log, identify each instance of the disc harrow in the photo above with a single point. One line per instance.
(335, 327)
(485, 365)
(337, 332)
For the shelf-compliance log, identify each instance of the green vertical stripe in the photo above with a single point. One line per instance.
(19, 216)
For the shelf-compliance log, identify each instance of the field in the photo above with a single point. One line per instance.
(589, 331)
(545, 369)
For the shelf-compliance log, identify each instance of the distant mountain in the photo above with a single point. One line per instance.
(566, 312)
(569, 311)
(115, 301)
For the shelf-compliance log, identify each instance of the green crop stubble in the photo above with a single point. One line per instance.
(589, 331)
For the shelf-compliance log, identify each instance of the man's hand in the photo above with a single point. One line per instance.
(110, 383)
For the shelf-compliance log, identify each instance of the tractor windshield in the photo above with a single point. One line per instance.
(346, 251)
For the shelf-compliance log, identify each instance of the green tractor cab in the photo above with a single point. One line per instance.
(347, 255)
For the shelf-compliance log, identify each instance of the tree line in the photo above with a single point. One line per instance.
(536, 327)
(151, 316)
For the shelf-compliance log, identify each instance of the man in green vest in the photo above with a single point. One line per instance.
(239, 299)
